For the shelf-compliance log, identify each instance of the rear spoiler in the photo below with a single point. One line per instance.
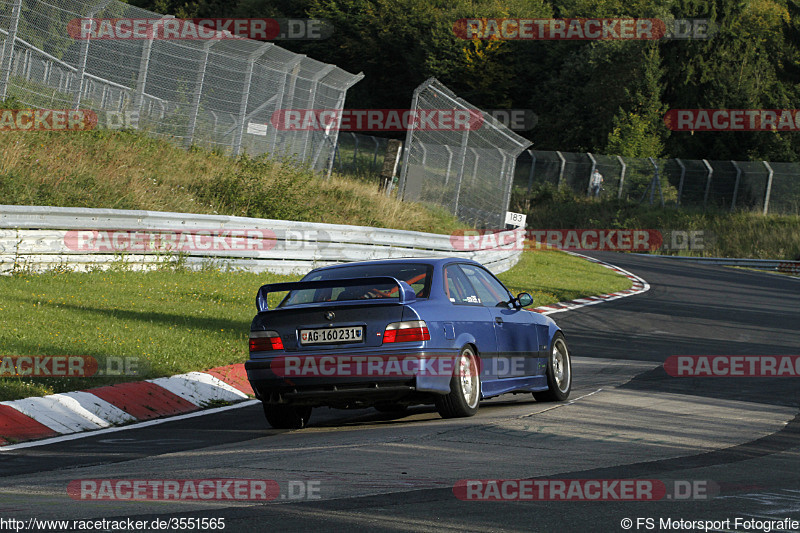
(406, 294)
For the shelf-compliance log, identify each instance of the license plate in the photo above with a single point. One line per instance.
(332, 335)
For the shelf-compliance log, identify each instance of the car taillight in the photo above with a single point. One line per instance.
(265, 341)
(414, 330)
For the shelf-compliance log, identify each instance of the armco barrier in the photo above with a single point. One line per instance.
(40, 238)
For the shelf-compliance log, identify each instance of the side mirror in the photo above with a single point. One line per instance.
(524, 299)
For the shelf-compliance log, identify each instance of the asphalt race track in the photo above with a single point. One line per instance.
(736, 440)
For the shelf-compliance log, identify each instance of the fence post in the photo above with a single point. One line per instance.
(621, 176)
(144, 65)
(507, 199)
(401, 184)
(84, 53)
(768, 192)
(355, 151)
(474, 166)
(252, 57)
(561, 171)
(198, 92)
(463, 157)
(8, 47)
(683, 176)
(591, 172)
(736, 185)
(530, 174)
(656, 181)
(291, 68)
(375, 155)
(708, 182)
(449, 164)
(311, 97)
(391, 159)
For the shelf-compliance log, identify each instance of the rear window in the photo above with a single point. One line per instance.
(416, 275)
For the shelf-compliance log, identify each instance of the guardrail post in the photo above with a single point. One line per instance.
(708, 182)
(621, 176)
(683, 176)
(561, 170)
(768, 192)
(252, 57)
(84, 53)
(198, 92)
(736, 186)
(8, 47)
(591, 172)
(530, 173)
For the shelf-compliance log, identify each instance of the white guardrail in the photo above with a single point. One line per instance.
(44, 238)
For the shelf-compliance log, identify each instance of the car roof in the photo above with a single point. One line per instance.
(433, 261)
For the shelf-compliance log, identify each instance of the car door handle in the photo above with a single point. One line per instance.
(498, 320)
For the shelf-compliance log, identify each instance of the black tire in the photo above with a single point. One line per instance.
(465, 388)
(391, 407)
(559, 372)
(287, 416)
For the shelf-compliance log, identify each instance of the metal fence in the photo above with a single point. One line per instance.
(762, 186)
(358, 154)
(219, 93)
(468, 172)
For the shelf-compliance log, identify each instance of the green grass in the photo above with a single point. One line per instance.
(738, 234)
(553, 276)
(172, 321)
(179, 321)
(129, 170)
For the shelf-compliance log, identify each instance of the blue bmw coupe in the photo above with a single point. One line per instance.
(399, 332)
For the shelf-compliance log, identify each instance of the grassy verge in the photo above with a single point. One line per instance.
(127, 170)
(737, 234)
(179, 321)
(553, 276)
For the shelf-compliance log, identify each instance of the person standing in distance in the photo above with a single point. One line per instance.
(597, 183)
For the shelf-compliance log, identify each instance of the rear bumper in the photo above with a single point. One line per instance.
(274, 383)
